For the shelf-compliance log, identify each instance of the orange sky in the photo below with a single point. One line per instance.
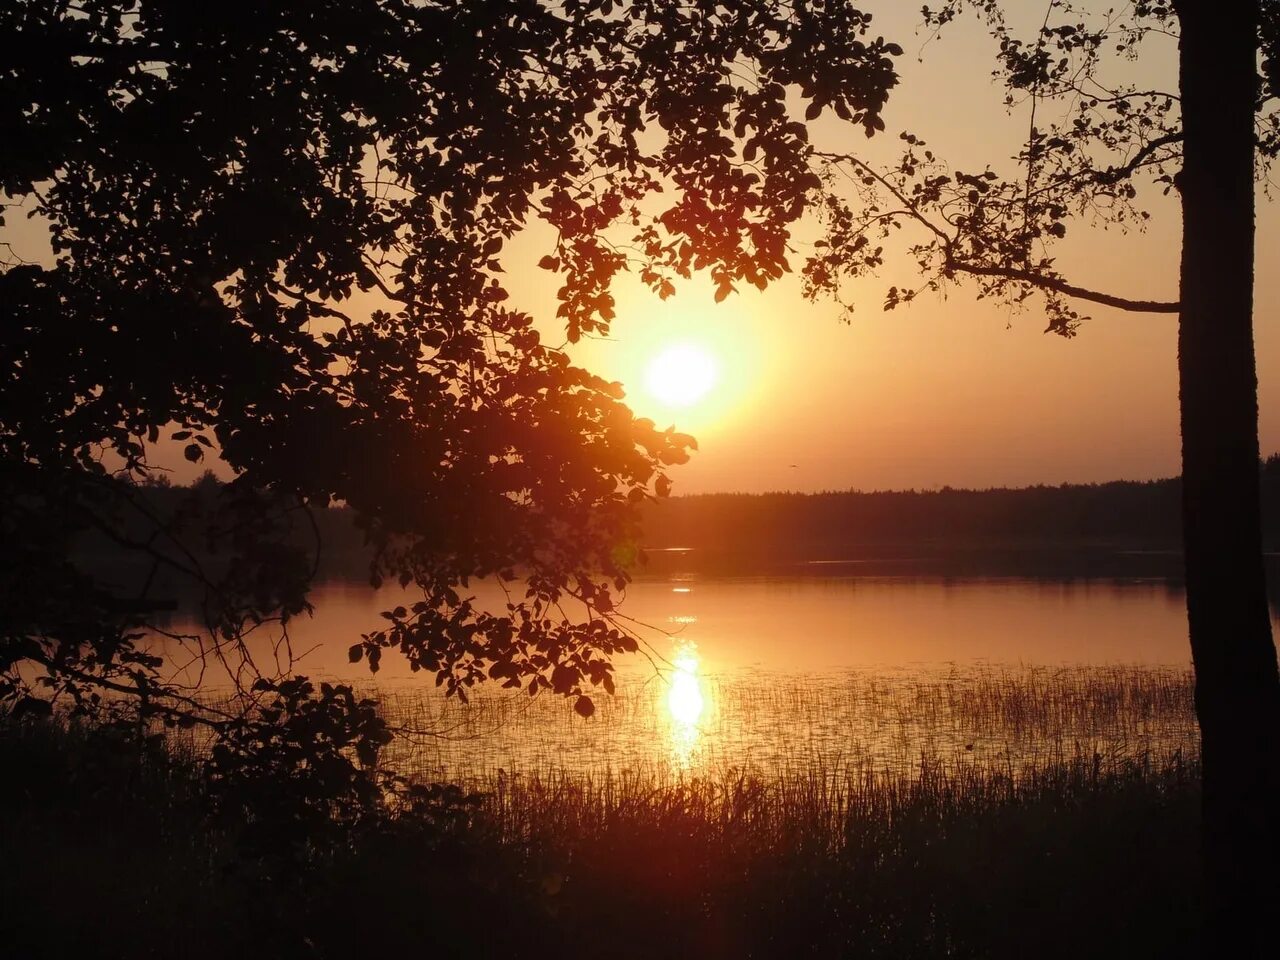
(945, 391)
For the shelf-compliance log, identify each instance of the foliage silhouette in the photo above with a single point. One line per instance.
(277, 233)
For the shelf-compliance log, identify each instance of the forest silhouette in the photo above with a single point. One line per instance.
(1104, 530)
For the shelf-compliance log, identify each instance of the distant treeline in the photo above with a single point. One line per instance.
(1142, 514)
(1115, 513)
(1121, 528)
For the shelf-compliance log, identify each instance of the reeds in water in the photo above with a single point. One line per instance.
(987, 813)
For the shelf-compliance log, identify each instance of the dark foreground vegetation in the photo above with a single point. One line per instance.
(118, 847)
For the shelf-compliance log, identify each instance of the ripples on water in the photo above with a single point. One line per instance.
(680, 723)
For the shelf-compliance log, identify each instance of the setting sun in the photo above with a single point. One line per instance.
(681, 375)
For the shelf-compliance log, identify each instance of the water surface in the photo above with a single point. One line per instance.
(815, 673)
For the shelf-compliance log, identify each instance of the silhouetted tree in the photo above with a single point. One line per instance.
(1091, 159)
(277, 232)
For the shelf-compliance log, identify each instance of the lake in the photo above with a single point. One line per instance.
(804, 674)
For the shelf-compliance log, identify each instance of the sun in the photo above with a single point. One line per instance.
(681, 375)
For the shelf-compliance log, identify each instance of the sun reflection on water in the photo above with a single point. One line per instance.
(685, 704)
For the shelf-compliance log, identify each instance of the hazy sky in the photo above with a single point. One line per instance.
(945, 391)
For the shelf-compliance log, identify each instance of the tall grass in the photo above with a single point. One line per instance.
(770, 726)
(1087, 857)
(1068, 830)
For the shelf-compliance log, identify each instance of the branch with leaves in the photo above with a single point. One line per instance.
(1094, 149)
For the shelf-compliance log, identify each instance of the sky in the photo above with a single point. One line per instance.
(945, 391)
(948, 390)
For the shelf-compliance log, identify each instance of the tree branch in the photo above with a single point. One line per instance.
(1057, 285)
(1061, 286)
(195, 711)
(1116, 174)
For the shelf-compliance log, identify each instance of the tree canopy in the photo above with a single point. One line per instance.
(1099, 145)
(277, 235)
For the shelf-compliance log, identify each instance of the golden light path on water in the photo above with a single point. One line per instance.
(767, 676)
(685, 704)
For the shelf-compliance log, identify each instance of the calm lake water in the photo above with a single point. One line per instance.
(812, 674)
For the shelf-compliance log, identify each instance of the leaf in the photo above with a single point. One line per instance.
(813, 111)
(193, 452)
(563, 679)
(355, 652)
(584, 707)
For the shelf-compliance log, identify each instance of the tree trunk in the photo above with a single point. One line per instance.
(1237, 686)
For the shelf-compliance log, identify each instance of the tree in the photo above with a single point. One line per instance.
(1108, 143)
(191, 293)
(277, 233)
